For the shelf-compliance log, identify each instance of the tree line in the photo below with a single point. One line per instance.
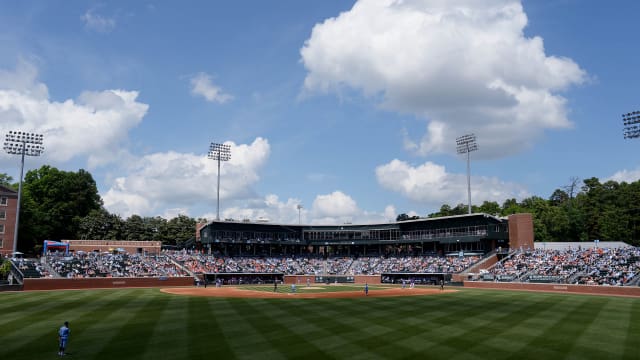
(589, 211)
(58, 205)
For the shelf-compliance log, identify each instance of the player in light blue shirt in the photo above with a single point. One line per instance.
(63, 337)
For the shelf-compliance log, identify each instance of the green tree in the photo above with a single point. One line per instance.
(5, 268)
(559, 197)
(101, 225)
(460, 209)
(53, 204)
(156, 229)
(511, 206)
(134, 228)
(591, 200)
(402, 217)
(180, 229)
(489, 207)
(5, 180)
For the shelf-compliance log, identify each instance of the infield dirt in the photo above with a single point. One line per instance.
(234, 292)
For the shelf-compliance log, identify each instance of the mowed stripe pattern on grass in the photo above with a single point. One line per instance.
(469, 324)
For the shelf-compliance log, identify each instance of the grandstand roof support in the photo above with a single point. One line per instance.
(219, 152)
(465, 144)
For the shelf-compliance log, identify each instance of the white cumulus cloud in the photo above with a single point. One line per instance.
(339, 208)
(202, 85)
(91, 126)
(334, 208)
(335, 204)
(270, 208)
(431, 184)
(464, 65)
(177, 180)
(625, 175)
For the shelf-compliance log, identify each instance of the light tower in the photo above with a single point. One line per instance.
(631, 123)
(465, 145)
(219, 152)
(299, 207)
(22, 143)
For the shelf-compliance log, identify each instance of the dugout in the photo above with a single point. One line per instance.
(334, 279)
(418, 278)
(243, 278)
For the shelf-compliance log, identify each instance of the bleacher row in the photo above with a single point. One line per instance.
(112, 265)
(346, 266)
(593, 266)
(573, 266)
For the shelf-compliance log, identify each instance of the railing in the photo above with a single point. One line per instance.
(487, 257)
(45, 263)
(17, 274)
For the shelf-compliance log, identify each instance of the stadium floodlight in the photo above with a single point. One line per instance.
(465, 144)
(299, 206)
(631, 123)
(219, 152)
(22, 143)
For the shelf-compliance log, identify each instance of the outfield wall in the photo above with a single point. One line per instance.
(104, 283)
(565, 288)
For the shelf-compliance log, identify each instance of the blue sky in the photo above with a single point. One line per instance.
(349, 108)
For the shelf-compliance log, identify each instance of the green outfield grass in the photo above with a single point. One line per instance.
(468, 324)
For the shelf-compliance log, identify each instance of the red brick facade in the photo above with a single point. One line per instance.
(521, 231)
(104, 283)
(564, 288)
(199, 227)
(8, 210)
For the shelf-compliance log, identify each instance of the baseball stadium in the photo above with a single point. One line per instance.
(468, 286)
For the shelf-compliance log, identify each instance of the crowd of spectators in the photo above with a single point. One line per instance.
(80, 265)
(592, 266)
(93, 264)
(199, 263)
(413, 264)
(31, 268)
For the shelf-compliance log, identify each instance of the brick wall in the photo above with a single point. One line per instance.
(10, 220)
(565, 288)
(521, 231)
(104, 283)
